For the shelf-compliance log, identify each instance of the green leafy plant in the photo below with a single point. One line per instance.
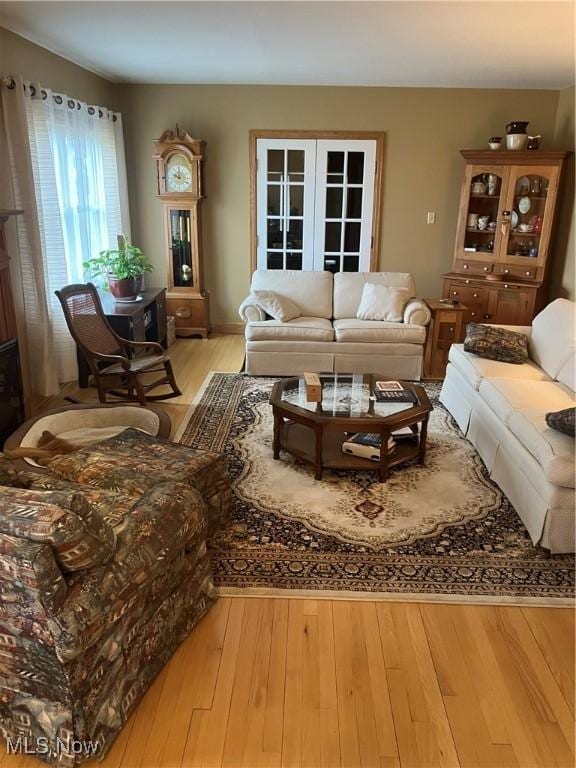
(126, 261)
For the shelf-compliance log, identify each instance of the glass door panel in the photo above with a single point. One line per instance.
(285, 204)
(344, 199)
(180, 247)
(480, 231)
(529, 222)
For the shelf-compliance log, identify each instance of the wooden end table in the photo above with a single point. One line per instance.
(314, 432)
(446, 328)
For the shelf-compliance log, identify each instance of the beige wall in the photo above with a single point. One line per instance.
(20, 57)
(562, 278)
(425, 129)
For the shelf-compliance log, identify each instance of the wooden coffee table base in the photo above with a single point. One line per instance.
(321, 446)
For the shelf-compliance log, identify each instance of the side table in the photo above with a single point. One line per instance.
(446, 328)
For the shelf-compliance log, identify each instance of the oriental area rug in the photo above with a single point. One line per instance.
(439, 532)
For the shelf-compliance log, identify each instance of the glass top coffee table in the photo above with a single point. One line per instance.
(314, 432)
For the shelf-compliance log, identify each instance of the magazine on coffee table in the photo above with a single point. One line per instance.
(393, 391)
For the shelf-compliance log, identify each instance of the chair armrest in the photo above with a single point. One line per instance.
(151, 345)
(417, 312)
(525, 329)
(251, 312)
(113, 359)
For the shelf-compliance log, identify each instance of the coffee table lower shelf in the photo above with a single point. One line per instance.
(300, 441)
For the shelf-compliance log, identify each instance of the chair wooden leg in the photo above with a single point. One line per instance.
(140, 393)
(171, 377)
(101, 390)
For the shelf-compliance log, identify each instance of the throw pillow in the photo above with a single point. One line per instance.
(496, 343)
(382, 302)
(562, 421)
(73, 527)
(278, 307)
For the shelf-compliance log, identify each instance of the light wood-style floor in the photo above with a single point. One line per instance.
(263, 683)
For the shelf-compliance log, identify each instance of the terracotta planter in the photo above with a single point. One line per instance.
(126, 289)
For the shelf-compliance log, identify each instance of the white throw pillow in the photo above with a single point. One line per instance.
(382, 302)
(278, 307)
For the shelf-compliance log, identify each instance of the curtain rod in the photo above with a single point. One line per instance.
(10, 83)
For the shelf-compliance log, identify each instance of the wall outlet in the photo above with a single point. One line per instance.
(431, 217)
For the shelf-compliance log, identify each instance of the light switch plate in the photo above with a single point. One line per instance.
(431, 217)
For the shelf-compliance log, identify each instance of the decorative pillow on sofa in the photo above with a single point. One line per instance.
(382, 302)
(496, 343)
(75, 530)
(562, 421)
(278, 307)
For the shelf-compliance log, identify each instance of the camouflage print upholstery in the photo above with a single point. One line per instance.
(496, 343)
(78, 650)
(133, 462)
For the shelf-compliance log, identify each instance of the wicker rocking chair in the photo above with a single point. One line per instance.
(115, 363)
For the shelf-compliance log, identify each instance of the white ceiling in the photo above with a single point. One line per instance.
(515, 44)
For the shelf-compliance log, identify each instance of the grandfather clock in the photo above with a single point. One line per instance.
(179, 171)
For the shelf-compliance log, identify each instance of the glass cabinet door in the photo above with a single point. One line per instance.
(480, 231)
(528, 217)
(285, 204)
(344, 201)
(179, 229)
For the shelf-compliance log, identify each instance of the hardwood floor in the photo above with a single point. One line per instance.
(264, 683)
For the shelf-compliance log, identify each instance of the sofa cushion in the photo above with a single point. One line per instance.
(348, 287)
(562, 421)
(301, 329)
(495, 343)
(382, 302)
(504, 396)
(277, 306)
(552, 450)
(475, 368)
(378, 331)
(75, 529)
(310, 291)
(553, 337)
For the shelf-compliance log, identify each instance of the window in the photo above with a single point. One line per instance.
(315, 203)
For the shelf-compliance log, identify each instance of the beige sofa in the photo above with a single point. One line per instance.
(501, 407)
(328, 336)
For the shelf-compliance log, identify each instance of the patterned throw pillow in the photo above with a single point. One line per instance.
(76, 531)
(496, 343)
(562, 421)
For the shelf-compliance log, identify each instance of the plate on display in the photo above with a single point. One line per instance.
(514, 219)
(524, 204)
(523, 185)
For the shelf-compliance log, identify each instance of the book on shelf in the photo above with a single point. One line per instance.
(367, 445)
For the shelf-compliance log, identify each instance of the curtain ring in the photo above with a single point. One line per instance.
(71, 104)
(58, 99)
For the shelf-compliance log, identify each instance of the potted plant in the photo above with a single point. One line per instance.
(123, 269)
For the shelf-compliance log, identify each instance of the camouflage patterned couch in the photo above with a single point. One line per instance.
(103, 572)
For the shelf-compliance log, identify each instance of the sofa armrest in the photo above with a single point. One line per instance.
(250, 312)
(417, 312)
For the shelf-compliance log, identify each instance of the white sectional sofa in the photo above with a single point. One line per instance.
(501, 407)
(328, 336)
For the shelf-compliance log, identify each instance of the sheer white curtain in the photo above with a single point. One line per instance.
(68, 173)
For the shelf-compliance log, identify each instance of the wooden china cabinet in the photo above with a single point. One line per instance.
(505, 221)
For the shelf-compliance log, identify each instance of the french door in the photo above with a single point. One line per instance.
(315, 200)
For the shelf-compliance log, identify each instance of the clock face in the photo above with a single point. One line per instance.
(178, 174)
